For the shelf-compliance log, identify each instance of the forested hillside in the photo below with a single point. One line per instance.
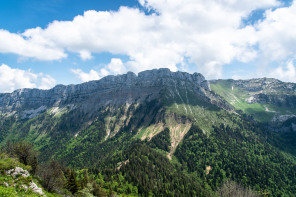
(156, 134)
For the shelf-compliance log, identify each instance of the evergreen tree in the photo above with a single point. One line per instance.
(72, 183)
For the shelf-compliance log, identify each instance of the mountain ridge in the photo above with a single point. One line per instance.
(204, 129)
(103, 90)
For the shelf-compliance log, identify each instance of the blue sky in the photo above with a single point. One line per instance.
(45, 43)
(19, 15)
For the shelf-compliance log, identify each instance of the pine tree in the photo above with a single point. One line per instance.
(72, 183)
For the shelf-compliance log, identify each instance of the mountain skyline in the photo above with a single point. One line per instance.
(159, 133)
(68, 42)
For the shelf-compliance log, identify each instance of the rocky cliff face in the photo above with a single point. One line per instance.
(140, 105)
(266, 85)
(111, 90)
(271, 91)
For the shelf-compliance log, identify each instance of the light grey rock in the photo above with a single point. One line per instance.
(32, 113)
(110, 90)
(17, 171)
(282, 118)
(36, 189)
(25, 187)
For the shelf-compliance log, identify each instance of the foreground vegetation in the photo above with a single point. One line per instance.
(146, 172)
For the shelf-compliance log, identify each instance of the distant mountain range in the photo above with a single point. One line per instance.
(209, 131)
(267, 100)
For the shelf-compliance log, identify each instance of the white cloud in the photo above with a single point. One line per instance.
(47, 82)
(208, 34)
(285, 73)
(277, 34)
(116, 66)
(96, 75)
(12, 79)
(32, 47)
(84, 77)
(85, 55)
(104, 72)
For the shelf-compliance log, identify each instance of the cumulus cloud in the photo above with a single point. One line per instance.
(32, 47)
(285, 73)
(85, 55)
(83, 76)
(11, 79)
(207, 34)
(115, 67)
(46, 82)
(276, 34)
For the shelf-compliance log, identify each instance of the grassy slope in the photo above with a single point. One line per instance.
(237, 98)
(201, 113)
(182, 109)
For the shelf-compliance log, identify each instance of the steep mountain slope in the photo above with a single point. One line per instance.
(172, 118)
(62, 118)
